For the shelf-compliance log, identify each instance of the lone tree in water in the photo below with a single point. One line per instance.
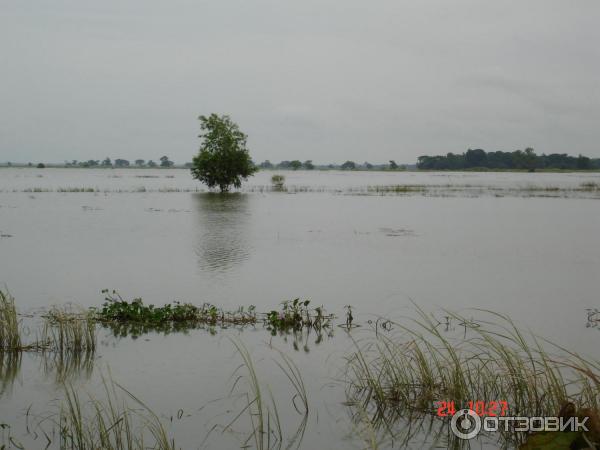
(223, 159)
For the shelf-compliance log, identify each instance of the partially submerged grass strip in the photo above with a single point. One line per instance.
(63, 331)
(68, 331)
(10, 336)
(587, 189)
(403, 373)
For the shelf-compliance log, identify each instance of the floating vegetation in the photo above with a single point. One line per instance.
(119, 310)
(96, 190)
(395, 232)
(397, 188)
(589, 186)
(136, 318)
(77, 189)
(115, 309)
(295, 315)
(593, 318)
(404, 373)
(583, 190)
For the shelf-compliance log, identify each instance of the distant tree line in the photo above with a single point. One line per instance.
(164, 161)
(519, 160)
(348, 165)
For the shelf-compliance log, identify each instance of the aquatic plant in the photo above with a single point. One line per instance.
(110, 423)
(135, 317)
(10, 337)
(176, 315)
(66, 330)
(277, 181)
(266, 430)
(589, 186)
(406, 371)
(295, 315)
(117, 309)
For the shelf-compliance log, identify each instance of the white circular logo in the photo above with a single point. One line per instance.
(465, 424)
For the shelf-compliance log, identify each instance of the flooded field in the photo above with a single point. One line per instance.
(388, 245)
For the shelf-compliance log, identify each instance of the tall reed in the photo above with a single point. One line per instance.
(403, 373)
(69, 331)
(110, 424)
(10, 338)
(266, 429)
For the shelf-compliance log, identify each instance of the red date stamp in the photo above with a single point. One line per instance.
(494, 408)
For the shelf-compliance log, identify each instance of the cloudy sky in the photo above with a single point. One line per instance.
(327, 80)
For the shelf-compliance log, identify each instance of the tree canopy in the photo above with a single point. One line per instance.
(519, 159)
(223, 159)
(165, 162)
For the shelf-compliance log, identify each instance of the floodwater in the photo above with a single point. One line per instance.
(157, 234)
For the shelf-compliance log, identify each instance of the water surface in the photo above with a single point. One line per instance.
(149, 234)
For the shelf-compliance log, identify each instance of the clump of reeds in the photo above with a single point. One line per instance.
(404, 372)
(277, 182)
(589, 186)
(66, 330)
(10, 337)
(397, 188)
(76, 189)
(109, 424)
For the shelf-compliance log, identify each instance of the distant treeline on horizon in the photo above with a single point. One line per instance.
(517, 160)
(472, 159)
(348, 165)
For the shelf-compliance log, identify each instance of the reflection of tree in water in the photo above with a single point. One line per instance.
(223, 219)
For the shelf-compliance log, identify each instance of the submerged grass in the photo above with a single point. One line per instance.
(69, 331)
(63, 330)
(403, 374)
(118, 421)
(589, 190)
(266, 429)
(10, 336)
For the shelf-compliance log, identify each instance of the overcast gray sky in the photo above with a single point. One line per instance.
(327, 80)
